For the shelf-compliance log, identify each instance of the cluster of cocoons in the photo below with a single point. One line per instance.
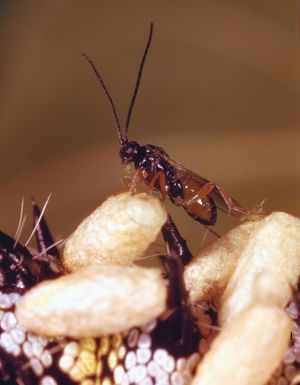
(101, 322)
(106, 321)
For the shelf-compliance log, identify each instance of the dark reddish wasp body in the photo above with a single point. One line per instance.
(199, 197)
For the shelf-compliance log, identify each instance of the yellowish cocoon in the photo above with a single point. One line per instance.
(119, 231)
(207, 275)
(248, 349)
(272, 253)
(93, 301)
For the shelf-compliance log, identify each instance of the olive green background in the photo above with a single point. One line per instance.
(219, 94)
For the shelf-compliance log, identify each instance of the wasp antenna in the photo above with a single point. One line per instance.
(107, 94)
(137, 85)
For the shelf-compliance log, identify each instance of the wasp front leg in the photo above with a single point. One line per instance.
(131, 182)
(159, 181)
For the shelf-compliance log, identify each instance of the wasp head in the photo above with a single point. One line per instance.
(129, 152)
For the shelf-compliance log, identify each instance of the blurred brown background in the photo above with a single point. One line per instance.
(219, 94)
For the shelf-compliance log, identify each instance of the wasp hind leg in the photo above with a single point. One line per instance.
(208, 188)
(209, 229)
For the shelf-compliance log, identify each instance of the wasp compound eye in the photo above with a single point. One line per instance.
(130, 152)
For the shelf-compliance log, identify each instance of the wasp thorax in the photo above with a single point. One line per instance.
(129, 151)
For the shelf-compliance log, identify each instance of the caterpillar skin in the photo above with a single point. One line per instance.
(162, 352)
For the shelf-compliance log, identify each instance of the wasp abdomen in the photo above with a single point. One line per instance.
(203, 210)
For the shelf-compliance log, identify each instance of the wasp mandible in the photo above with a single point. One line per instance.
(195, 194)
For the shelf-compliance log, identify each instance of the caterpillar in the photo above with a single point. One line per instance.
(163, 351)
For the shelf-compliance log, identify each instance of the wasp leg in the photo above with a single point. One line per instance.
(126, 180)
(209, 228)
(163, 187)
(208, 188)
(138, 177)
(141, 176)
